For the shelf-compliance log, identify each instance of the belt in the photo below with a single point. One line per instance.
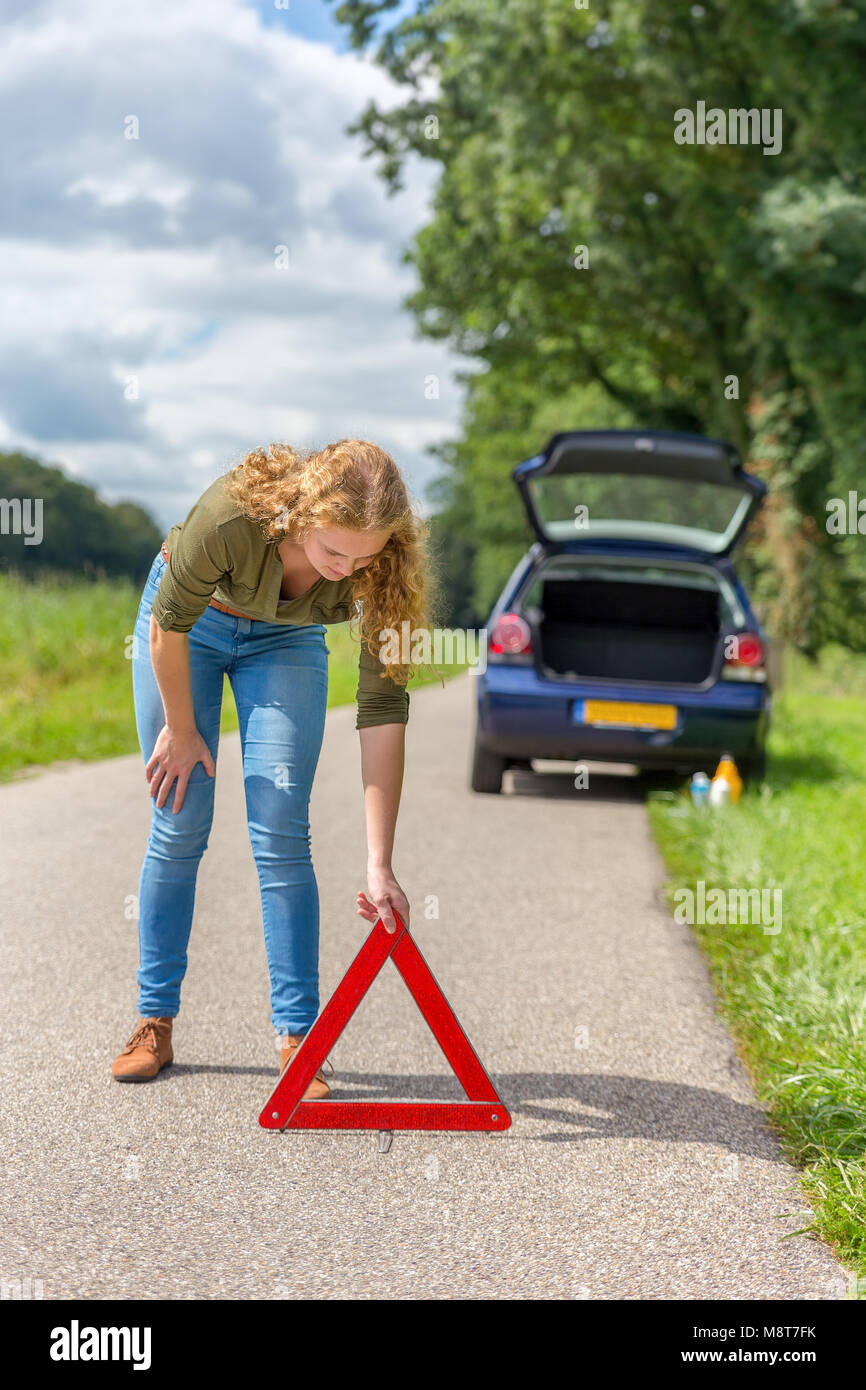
(214, 603)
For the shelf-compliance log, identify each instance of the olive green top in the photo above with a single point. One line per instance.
(217, 552)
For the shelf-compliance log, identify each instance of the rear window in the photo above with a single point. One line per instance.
(618, 504)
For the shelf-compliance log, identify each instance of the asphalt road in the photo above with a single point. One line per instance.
(638, 1165)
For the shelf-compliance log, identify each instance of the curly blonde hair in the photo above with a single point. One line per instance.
(355, 485)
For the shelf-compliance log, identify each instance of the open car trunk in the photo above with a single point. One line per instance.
(673, 491)
(615, 629)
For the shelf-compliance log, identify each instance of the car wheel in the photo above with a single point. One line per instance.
(487, 770)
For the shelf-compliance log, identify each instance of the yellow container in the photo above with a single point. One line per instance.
(727, 772)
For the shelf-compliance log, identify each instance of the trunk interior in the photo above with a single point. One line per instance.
(629, 629)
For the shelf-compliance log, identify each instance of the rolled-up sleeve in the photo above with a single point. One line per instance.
(197, 561)
(380, 701)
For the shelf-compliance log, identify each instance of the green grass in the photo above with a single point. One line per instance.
(66, 691)
(796, 1001)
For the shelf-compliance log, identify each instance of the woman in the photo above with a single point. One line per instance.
(269, 555)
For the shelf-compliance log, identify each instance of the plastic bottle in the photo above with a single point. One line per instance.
(720, 792)
(699, 788)
(726, 775)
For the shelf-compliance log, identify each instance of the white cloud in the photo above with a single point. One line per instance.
(154, 258)
(149, 181)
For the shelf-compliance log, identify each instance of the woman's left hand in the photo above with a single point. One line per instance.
(385, 898)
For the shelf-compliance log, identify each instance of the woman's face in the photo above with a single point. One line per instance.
(336, 553)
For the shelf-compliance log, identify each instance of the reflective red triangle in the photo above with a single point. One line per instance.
(481, 1110)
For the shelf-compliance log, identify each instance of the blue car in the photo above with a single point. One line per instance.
(624, 634)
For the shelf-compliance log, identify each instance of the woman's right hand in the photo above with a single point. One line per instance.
(174, 756)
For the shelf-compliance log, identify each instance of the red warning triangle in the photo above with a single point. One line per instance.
(482, 1108)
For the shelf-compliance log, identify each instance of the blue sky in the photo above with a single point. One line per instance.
(156, 331)
(314, 19)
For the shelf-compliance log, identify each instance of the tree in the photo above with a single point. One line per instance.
(574, 243)
(80, 532)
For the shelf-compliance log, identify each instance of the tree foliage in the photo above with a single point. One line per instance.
(553, 129)
(79, 532)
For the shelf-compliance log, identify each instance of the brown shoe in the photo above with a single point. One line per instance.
(318, 1088)
(146, 1053)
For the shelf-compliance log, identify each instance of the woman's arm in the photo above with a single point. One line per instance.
(169, 656)
(382, 762)
(199, 557)
(179, 745)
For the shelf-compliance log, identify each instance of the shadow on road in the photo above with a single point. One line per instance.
(601, 786)
(633, 785)
(612, 1107)
(616, 1107)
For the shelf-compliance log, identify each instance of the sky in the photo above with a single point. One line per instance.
(153, 334)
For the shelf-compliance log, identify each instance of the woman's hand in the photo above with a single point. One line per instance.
(174, 756)
(385, 898)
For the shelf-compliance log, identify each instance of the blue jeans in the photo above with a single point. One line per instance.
(279, 678)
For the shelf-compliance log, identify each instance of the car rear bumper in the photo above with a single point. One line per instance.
(520, 717)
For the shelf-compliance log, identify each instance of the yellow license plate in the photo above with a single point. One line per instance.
(626, 715)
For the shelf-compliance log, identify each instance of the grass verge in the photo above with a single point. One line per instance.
(66, 691)
(795, 999)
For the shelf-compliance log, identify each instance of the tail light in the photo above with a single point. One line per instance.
(744, 657)
(510, 636)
